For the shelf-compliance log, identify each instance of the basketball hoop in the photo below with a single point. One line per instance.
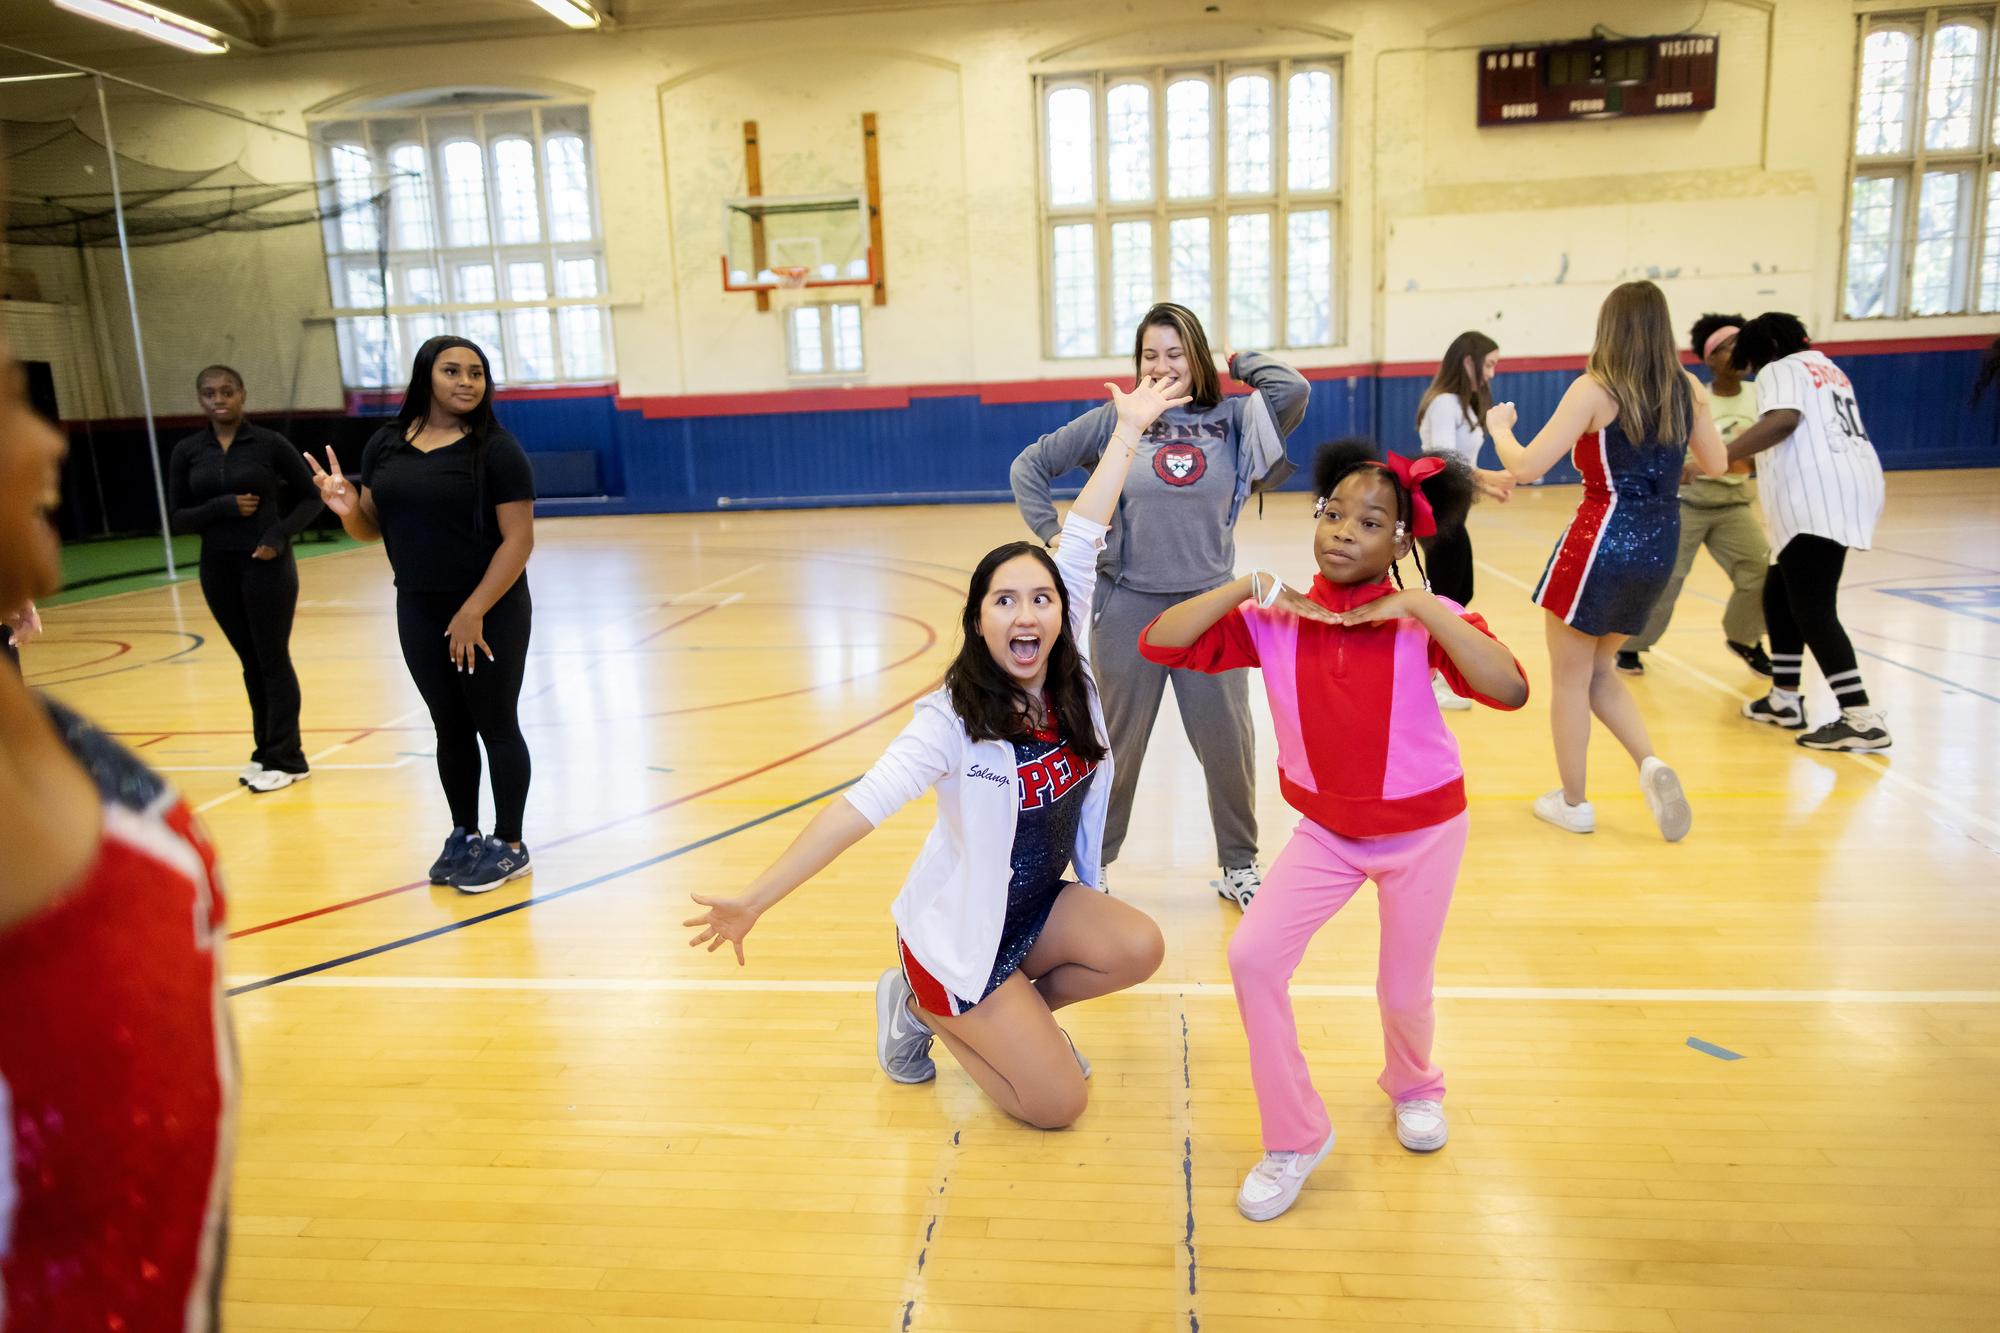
(790, 276)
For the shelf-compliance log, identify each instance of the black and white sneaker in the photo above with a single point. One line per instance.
(1239, 886)
(491, 866)
(1854, 729)
(1630, 664)
(1777, 710)
(461, 848)
(1753, 656)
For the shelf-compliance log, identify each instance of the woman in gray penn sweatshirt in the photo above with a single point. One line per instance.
(1175, 538)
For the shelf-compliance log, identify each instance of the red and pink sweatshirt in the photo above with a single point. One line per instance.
(1362, 747)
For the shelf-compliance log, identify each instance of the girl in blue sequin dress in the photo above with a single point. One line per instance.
(1625, 423)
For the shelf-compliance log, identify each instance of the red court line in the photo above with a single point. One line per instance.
(676, 624)
(118, 649)
(866, 722)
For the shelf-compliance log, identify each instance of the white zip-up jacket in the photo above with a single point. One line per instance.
(954, 902)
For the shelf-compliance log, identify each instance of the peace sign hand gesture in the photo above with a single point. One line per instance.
(334, 491)
(1152, 395)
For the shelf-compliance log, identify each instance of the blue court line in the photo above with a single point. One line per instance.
(1709, 1048)
(528, 902)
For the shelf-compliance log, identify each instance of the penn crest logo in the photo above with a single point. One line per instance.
(1179, 464)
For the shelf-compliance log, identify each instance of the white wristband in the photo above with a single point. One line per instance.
(1270, 594)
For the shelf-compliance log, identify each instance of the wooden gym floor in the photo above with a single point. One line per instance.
(538, 1112)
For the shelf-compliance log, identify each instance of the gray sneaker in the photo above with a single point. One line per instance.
(902, 1044)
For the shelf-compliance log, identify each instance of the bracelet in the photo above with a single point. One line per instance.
(1269, 596)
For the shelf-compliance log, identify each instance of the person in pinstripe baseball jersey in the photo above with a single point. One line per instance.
(1821, 487)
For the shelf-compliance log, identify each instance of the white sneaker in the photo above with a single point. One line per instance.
(1665, 799)
(1240, 886)
(274, 779)
(1273, 1184)
(1420, 1125)
(250, 770)
(1450, 700)
(1552, 807)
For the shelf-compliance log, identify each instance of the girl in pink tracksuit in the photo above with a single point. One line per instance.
(1364, 755)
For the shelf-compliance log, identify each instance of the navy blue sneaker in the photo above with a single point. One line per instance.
(459, 851)
(491, 866)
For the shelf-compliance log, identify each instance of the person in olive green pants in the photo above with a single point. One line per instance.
(1716, 512)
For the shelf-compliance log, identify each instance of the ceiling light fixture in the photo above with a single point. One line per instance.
(162, 25)
(576, 13)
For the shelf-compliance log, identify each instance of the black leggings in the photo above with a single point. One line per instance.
(1802, 609)
(1448, 563)
(254, 602)
(468, 707)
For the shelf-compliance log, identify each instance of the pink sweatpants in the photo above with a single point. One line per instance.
(1313, 878)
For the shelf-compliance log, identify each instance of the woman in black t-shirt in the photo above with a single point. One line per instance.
(451, 496)
(245, 489)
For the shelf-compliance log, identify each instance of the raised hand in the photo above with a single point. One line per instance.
(246, 505)
(727, 919)
(1499, 417)
(1151, 396)
(334, 491)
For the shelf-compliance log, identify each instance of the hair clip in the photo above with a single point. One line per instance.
(1319, 506)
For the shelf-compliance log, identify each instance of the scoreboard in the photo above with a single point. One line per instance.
(1597, 79)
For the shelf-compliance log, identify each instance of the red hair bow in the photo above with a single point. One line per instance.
(1411, 472)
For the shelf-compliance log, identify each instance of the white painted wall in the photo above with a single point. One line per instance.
(1446, 226)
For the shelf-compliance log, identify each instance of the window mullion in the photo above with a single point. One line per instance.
(1281, 208)
(1101, 229)
(1218, 226)
(1920, 114)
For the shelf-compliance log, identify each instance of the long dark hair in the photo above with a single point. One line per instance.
(1204, 385)
(1475, 394)
(1450, 492)
(990, 703)
(479, 423)
(1769, 337)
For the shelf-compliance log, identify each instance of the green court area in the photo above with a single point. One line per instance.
(121, 564)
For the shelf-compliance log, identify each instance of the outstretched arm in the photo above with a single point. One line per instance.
(1575, 417)
(832, 831)
(1769, 430)
(1076, 444)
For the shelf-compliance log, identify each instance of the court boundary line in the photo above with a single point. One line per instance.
(1210, 990)
(244, 987)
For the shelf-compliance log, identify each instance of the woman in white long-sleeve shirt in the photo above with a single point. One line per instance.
(991, 937)
(1448, 424)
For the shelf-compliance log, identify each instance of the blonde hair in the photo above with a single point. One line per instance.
(1637, 359)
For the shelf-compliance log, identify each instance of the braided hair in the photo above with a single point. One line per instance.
(1450, 492)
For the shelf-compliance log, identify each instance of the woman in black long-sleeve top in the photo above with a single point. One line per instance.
(246, 490)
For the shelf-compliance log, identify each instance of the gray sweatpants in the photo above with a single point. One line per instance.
(1215, 710)
(1733, 536)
